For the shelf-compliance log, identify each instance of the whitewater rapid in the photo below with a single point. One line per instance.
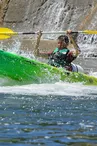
(59, 88)
(8, 86)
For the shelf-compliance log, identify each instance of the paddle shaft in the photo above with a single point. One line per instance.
(28, 33)
(10, 32)
(17, 33)
(6, 33)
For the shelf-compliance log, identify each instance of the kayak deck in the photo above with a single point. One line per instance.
(26, 70)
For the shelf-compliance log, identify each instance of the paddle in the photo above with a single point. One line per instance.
(6, 33)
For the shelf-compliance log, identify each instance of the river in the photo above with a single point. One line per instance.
(48, 114)
(58, 114)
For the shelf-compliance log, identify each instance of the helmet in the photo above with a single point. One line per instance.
(64, 38)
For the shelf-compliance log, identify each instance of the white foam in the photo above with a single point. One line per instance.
(93, 74)
(59, 88)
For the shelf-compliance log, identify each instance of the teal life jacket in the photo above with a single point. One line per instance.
(58, 57)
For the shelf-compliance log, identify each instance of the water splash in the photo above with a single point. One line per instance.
(93, 74)
(59, 88)
(87, 39)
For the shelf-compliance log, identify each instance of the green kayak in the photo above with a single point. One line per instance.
(25, 70)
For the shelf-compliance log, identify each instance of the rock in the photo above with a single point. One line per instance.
(49, 14)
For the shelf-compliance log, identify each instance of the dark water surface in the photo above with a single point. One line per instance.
(48, 120)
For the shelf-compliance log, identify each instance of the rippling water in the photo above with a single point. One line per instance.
(48, 115)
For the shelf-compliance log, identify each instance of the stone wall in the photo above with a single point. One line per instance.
(50, 14)
(3, 10)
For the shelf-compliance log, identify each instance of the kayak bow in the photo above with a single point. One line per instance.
(26, 70)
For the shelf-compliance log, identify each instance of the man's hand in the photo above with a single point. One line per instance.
(69, 32)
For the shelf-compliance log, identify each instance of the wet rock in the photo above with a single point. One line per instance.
(49, 14)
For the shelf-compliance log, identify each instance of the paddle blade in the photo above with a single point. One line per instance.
(90, 31)
(3, 37)
(5, 33)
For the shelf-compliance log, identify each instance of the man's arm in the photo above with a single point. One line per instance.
(36, 50)
(44, 54)
(77, 49)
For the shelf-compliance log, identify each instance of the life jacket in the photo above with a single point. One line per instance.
(58, 57)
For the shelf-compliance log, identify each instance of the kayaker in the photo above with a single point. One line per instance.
(62, 56)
